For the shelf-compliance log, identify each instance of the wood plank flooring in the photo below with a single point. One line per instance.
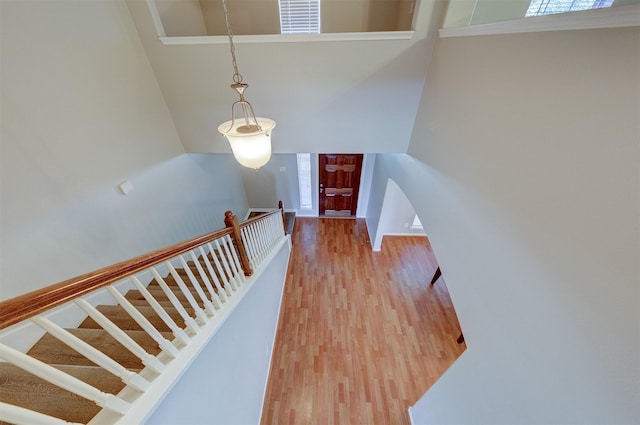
(362, 334)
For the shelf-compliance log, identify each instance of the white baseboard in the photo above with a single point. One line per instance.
(422, 235)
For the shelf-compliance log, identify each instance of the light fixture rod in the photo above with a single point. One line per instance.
(237, 77)
(238, 85)
(250, 137)
(247, 112)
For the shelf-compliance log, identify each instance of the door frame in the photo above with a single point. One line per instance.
(366, 176)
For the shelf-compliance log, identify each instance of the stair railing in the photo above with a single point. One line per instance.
(212, 272)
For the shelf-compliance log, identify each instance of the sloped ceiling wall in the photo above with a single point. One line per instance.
(343, 96)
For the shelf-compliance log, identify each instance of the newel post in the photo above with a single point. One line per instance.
(284, 222)
(230, 220)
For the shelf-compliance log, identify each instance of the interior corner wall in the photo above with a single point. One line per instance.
(81, 113)
(524, 169)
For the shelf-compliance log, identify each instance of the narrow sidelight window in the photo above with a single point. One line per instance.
(304, 180)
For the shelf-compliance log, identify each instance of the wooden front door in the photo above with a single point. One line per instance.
(339, 178)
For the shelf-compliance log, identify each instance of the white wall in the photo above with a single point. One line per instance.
(366, 15)
(474, 12)
(266, 186)
(396, 216)
(487, 11)
(368, 162)
(81, 113)
(344, 96)
(226, 383)
(459, 13)
(181, 17)
(246, 17)
(276, 181)
(525, 174)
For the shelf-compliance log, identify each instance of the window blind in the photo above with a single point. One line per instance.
(300, 16)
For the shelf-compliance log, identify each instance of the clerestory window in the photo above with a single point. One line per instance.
(549, 7)
(300, 16)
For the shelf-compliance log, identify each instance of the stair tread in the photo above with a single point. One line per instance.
(53, 351)
(160, 295)
(144, 303)
(121, 318)
(170, 281)
(23, 389)
(220, 275)
(154, 288)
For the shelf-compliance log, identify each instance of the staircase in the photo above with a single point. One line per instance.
(125, 349)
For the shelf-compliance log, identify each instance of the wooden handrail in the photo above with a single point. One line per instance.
(258, 218)
(33, 303)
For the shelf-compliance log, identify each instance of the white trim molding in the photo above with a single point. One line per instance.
(612, 17)
(270, 38)
(155, 16)
(289, 38)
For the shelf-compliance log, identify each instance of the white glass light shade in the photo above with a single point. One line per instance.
(251, 149)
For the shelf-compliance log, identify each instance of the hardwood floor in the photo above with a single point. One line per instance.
(362, 334)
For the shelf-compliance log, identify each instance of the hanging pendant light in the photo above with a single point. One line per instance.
(249, 136)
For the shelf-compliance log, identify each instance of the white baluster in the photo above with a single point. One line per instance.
(239, 276)
(209, 308)
(257, 230)
(248, 243)
(265, 239)
(230, 252)
(257, 240)
(267, 230)
(92, 353)
(20, 416)
(262, 242)
(268, 235)
(224, 260)
(220, 269)
(121, 336)
(273, 230)
(277, 230)
(187, 293)
(189, 322)
(218, 256)
(221, 292)
(164, 343)
(205, 277)
(254, 231)
(63, 380)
